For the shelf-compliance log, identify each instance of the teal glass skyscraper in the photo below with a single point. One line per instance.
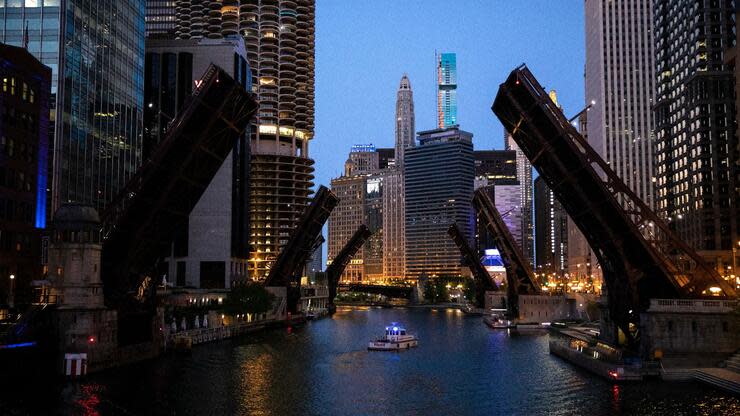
(96, 52)
(446, 90)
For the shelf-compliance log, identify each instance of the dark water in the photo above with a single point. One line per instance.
(460, 368)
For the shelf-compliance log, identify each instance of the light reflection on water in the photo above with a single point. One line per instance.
(460, 367)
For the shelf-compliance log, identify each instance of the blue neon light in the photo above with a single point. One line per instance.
(19, 345)
(42, 174)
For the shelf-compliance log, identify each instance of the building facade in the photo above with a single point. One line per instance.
(212, 251)
(524, 176)
(620, 82)
(346, 217)
(394, 226)
(24, 153)
(97, 89)
(435, 199)
(316, 263)
(697, 149)
(386, 157)
(583, 266)
(365, 160)
(161, 19)
(495, 171)
(551, 234)
(446, 90)
(373, 252)
(279, 36)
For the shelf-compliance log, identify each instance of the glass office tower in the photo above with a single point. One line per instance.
(435, 198)
(97, 88)
(446, 90)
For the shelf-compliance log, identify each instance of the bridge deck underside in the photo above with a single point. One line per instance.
(299, 247)
(336, 268)
(401, 292)
(141, 224)
(483, 280)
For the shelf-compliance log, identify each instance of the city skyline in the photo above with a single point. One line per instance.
(588, 256)
(347, 36)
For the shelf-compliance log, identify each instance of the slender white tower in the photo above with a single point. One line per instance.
(393, 191)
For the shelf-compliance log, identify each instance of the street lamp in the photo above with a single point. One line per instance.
(734, 262)
(11, 297)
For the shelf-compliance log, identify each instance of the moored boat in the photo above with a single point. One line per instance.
(498, 322)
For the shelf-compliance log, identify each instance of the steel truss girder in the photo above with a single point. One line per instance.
(633, 245)
(520, 278)
(140, 224)
(300, 246)
(341, 260)
(483, 280)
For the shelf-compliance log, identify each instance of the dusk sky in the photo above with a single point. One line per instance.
(363, 48)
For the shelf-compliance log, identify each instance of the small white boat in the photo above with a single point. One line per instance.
(395, 339)
(498, 322)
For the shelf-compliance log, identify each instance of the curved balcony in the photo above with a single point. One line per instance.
(269, 70)
(269, 14)
(268, 56)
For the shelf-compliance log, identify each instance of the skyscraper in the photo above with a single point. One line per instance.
(97, 89)
(393, 196)
(582, 262)
(620, 82)
(551, 235)
(437, 198)
(279, 36)
(446, 90)
(405, 120)
(697, 150)
(524, 176)
(394, 234)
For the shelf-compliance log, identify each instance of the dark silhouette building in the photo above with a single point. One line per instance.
(24, 152)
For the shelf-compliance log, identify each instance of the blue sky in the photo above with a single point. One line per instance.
(363, 47)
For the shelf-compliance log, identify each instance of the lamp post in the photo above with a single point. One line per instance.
(11, 295)
(734, 262)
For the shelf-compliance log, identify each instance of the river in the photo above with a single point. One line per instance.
(460, 368)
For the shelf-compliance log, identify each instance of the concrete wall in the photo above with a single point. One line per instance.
(543, 308)
(690, 333)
